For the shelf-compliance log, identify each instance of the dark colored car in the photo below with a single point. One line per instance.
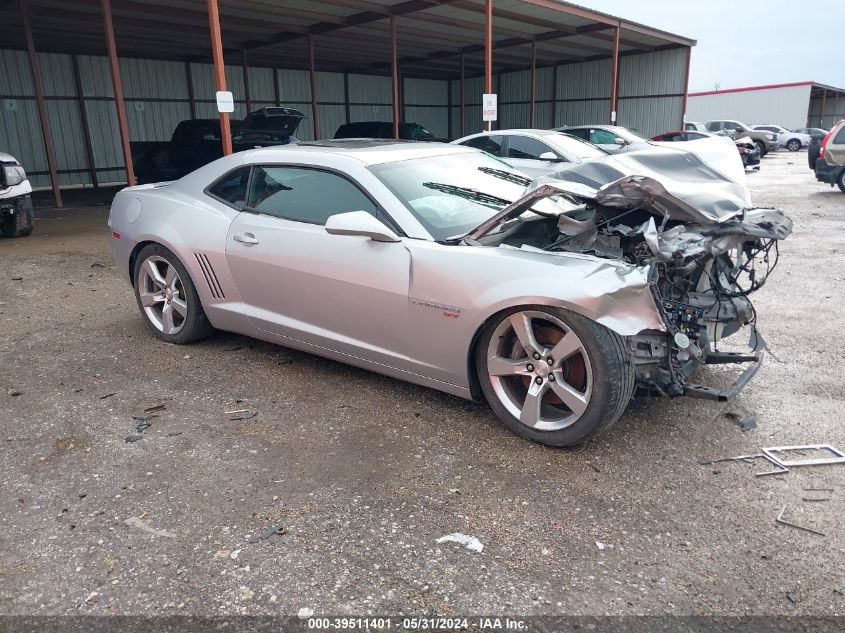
(816, 133)
(197, 142)
(384, 129)
(748, 152)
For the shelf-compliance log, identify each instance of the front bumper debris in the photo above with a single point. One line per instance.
(704, 392)
(11, 206)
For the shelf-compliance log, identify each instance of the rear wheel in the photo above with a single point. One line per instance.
(553, 376)
(761, 147)
(840, 182)
(793, 145)
(813, 152)
(19, 224)
(168, 298)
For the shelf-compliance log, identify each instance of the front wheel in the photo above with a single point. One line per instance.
(168, 298)
(793, 145)
(761, 147)
(19, 224)
(553, 376)
(840, 182)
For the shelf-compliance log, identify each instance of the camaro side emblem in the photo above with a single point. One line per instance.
(448, 311)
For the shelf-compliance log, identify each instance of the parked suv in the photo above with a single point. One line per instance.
(765, 141)
(793, 141)
(16, 212)
(829, 166)
(384, 129)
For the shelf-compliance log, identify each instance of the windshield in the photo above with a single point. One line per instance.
(576, 147)
(628, 134)
(414, 132)
(453, 193)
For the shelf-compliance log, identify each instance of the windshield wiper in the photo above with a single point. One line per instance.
(465, 192)
(506, 175)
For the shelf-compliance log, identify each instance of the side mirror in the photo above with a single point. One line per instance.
(549, 156)
(360, 223)
(619, 141)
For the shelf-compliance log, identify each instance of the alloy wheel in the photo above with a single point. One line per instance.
(162, 295)
(539, 370)
(793, 145)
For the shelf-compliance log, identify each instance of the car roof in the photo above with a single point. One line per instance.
(365, 150)
(516, 131)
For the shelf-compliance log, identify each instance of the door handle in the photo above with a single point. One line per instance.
(245, 238)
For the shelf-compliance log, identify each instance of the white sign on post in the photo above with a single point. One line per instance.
(225, 101)
(489, 107)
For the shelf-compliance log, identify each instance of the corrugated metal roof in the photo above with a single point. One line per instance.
(432, 33)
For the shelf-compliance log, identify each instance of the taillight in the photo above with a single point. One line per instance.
(824, 142)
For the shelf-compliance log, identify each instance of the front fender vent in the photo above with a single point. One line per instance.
(210, 277)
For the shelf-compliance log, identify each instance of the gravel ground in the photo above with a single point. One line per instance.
(362, 474)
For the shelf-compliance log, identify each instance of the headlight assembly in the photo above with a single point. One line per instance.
(13, 175)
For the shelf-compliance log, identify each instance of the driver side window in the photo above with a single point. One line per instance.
(526, 147)
(601, 137)
(304, 194)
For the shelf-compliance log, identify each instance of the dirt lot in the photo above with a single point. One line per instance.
(363, 473)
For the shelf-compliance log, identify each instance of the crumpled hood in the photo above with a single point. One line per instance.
(702, 183)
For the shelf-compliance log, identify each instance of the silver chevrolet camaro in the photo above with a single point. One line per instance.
(554, 300)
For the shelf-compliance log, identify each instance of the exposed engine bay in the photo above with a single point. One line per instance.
(707, 249)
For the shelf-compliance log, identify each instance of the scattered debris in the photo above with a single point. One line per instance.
(829, 496)
(140, 428)
(304, 613)
(246, 414)
(138, 522)
(783, 521)
(782, 465)
(236, 411)
(603, 546)
(174, 434)
(14, 393)
(98, 265)
(470, 542)
(771, 454)
(17, 278)
(108, 395)
(154, 408)
(278, 530)
(741, 415)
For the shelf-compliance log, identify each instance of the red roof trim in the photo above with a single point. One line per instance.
(748, 88)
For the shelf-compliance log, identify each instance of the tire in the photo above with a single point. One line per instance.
(813, 152)
(840, 181)
(793, 145)
(167, 297)
(575, 397)
(761, 146)
(19, 224)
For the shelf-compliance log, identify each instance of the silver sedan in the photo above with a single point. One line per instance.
(431, 263)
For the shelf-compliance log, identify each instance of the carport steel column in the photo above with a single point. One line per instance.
(118, 92)
(394, 76)
(42, 105)
(614, 77)
(312, 67)
(219, 71)
(488, 51)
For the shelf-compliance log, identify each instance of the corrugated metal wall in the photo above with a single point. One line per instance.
(158, 96)
(651, 88)
(784, 106)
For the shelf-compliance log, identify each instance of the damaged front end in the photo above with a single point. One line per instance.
(705, 247)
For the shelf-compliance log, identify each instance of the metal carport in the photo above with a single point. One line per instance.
(550, 62)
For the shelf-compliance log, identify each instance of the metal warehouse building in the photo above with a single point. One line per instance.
(81, 80)
(792, 105)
